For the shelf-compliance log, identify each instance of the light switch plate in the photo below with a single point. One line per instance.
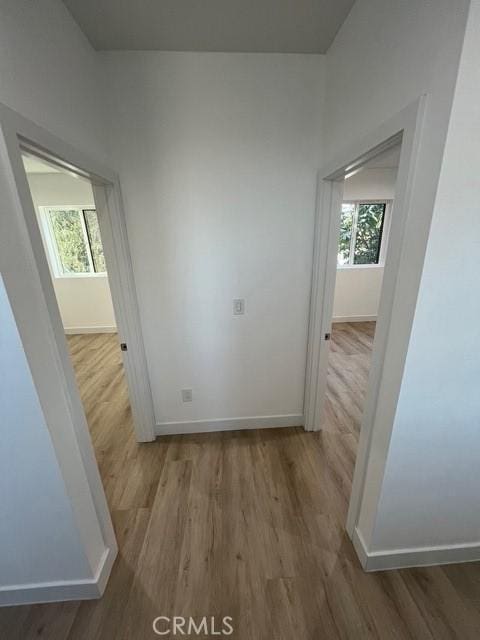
(187, 395)
(239, 307)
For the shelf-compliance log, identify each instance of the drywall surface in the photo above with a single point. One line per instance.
(38, 536)
(85, 303)
(431, 488)
(357, 289)
(357, 293)
(375, 184)
(217, 156)
(49, 71)
(385, 56)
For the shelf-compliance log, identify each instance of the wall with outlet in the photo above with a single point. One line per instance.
(357, 289)
(219, 181)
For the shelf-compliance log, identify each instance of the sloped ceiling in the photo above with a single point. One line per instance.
(278, 26)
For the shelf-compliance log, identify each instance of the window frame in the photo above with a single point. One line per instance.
(51, 243)
(383, 238)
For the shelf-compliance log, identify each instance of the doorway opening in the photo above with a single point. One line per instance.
(27, 280)
(364, 232)
(67, 219)
(404, 253)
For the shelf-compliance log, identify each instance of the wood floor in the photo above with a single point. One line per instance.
(244, 524)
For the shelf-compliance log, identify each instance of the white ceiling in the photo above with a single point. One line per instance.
(279, 26)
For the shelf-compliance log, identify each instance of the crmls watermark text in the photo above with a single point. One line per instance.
(178, 625)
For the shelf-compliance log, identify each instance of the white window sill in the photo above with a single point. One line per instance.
(349, 267)
(76, 276)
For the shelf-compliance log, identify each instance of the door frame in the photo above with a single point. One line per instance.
(26, 277)
(398, 295)
(22, 134)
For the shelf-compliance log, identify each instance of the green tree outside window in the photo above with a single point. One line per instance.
(76, 241)
(361, 229)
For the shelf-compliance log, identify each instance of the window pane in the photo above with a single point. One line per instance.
(70, 241)
(369, 233)
(96, 247)
(346, 224)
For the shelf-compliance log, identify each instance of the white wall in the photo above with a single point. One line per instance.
(387, 54)
(384, 57)
(217, 156)
(357, 289)
(85, 303)
(38, 536)
(378, 184)
(49, 72)
(357, 294)
(431, 489)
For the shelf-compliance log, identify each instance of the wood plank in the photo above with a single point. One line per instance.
(244, 524)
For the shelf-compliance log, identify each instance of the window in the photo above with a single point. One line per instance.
(74, 242)
(361, 231)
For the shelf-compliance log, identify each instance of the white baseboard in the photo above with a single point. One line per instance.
(414, 557)
(37, 593)
(74, 330)
(229, 424)
(354, 319)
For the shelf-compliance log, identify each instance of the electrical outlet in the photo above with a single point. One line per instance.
(187, 395)
(239, 307)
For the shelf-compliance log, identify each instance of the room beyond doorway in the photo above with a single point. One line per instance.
(347, 376)
(98, 367)
(365, 222)
(66, 214)
(67, 218)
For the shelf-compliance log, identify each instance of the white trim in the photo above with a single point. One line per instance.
(325, 248)
(86, 242)
(116, 248)
(77, 330)
(28, 283)
(354, 267)
(354, 319)
(387, 224)
(79, 276)
(398, 298)
(61, 590)
(414, 557)
(230, 424)
(22, 134)
(360, 547)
